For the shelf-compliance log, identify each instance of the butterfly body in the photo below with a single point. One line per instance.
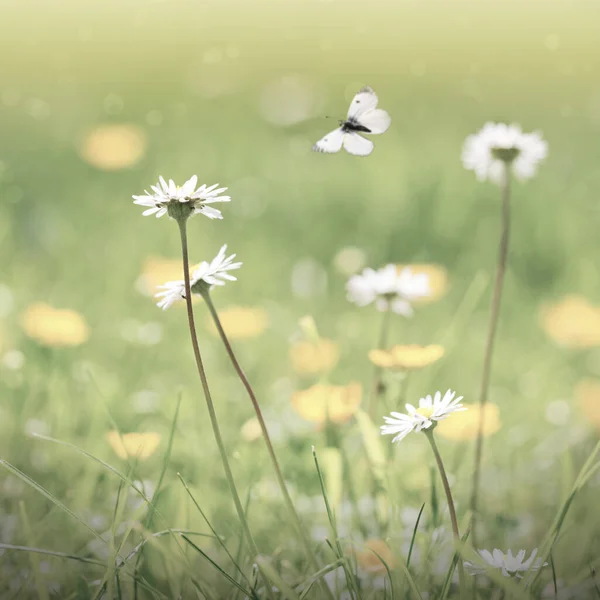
(363, 117)
(351, 125)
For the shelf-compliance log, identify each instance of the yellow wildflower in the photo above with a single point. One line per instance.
(369, 560)
(463, 426)
(134, 445)
(588, 395)
(241, 322)
(251, 430)
(573, 322)
(406, 358)
(53, 327)
(321, 401)
(308, 357)
(112, 147)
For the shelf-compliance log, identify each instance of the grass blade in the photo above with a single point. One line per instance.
(271, 575)
(219, 569)
(44, 492)
(414, 535)
(208, 523)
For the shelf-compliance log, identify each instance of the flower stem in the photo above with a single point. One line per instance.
(209, 403)
(376, 388)
(265, 432)
(489, 349)
(451, 509)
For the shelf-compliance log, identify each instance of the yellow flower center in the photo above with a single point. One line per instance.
(425, 411)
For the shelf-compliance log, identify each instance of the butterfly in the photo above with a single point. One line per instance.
(364, 117)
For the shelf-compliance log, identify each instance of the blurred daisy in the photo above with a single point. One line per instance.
(135, 445)
(210, 274)
(464, 426)
(496, 145)
(389, 288)
(54, 327)
(509, 565)
(406, 358)
(164, 194)
(437, 277)
(431, 409)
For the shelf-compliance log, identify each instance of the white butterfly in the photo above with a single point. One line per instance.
(363, 117)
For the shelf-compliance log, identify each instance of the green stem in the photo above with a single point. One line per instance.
(376, 387)
(489, 349)
(209, 403)
(451, 509)
(265, 432)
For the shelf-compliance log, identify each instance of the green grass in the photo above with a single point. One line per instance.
(71, 521)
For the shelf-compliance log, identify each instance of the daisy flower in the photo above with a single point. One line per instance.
(389, 287)
(497, 145)
(431, 410)
(210, 274)
(165, 194)
(509, 565)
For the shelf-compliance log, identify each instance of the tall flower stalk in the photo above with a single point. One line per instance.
(489, 346)
(180, 203)
(182, 222)
(450, 501)
(205, 292)
(205, 276)
(424, 418)
(496, 153)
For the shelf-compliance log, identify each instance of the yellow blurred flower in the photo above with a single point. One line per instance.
(135, 445)
(438, 281)
(240, 322)
(251, 430)
(573, 322)
(406, 358)
(314, 357)
(53, 327)
(321, 401)
(112, 147)
(157, 271)
(587, 393)
(463, 426)
(369, 560)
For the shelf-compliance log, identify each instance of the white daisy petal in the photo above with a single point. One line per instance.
(508, 564)
(388, 289)
(431, 409)
(211, 213)
(214, 273)
(150, 211)
(495, 144)
(164, 193)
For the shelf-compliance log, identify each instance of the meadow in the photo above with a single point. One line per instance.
(101, 100)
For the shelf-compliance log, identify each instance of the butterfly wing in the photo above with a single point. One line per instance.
(376, 120)
(364, 101)
(357, 145)
(331, 143)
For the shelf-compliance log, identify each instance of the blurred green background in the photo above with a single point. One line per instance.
(237, 92)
